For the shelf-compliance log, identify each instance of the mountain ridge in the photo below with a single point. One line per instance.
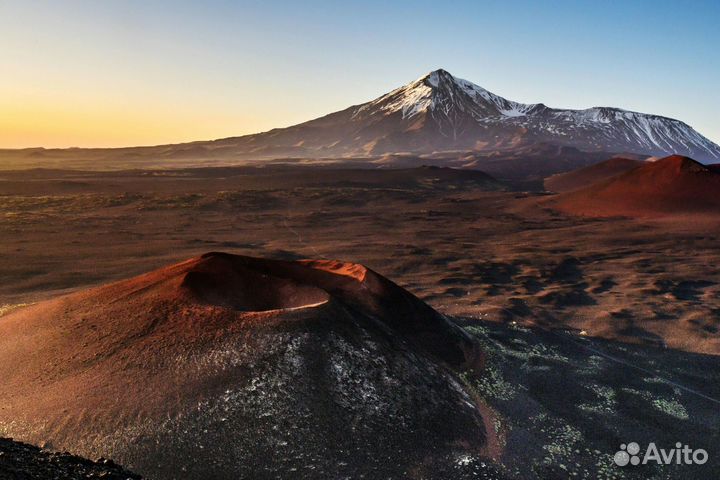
(444, 95)
(435, 113)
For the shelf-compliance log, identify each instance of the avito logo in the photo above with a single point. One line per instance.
(680, 455)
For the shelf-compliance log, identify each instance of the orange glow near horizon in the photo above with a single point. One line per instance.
(61, 124)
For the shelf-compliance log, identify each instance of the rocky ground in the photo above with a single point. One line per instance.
(565, 403)
(19, 461)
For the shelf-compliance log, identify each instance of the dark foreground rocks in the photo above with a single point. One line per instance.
(19, 461)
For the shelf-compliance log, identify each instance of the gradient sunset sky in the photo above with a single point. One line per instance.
(129, 72)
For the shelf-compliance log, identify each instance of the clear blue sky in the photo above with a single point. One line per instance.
(140, 72)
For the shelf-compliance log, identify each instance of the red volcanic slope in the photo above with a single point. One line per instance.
(672, 185)
(569, 181)
(205, 365)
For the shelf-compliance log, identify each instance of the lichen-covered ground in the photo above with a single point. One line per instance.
(565, 403)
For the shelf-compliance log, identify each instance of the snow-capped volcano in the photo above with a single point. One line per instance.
(443, 119)
(471, 116)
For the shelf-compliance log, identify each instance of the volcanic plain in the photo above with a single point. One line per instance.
(594, 328)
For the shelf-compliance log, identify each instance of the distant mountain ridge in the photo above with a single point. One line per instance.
(440, 112)
(433, 116)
